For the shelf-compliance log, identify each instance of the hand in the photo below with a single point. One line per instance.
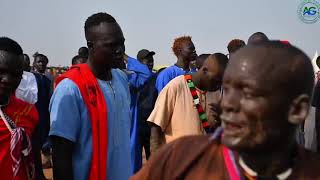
(214, 115)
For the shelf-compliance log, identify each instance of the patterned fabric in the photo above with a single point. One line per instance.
(20, 149)
(202, 114)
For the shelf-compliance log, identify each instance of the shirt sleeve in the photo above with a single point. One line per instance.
(164, 106)
(34, 88)
(65, 112)
(28, 88)
(141, 73)
(162, 81)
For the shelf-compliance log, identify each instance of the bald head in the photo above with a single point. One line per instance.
(267, 92)
(277, 65)
(257, 37)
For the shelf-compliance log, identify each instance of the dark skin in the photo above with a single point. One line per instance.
(40, 64)
(26, 65)
(149, 61)
(208, 78)
(259, 115)
(106, 47)
(187, 53)
(83, 51)
(200, 60)
(62, 158)
(11, 69)
(193, 65)
(257, 38)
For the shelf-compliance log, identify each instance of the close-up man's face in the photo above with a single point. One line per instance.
(107, 44)
(11, 69)
(254, 110)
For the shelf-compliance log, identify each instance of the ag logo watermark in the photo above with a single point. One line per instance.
(309, 11)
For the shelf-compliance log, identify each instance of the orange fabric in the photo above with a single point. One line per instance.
(25, 116)
(93, 97)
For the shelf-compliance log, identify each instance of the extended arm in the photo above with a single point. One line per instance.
(156, 138)
(62, 158)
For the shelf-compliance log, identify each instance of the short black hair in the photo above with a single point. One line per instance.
(222, 59)
(83, 51)
(26, 55)
(26, 58)
(38, 55)
(235, 44)
(96, 19)
(75, 58)
(318, 61)
(10, 46)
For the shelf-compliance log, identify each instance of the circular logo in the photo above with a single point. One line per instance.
(309, 11)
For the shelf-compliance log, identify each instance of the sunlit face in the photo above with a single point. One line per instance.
(107, 44)
(254, 109)
(188, 52)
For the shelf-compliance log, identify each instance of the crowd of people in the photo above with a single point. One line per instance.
(111, 116)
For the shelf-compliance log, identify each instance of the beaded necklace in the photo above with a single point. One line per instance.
(202, 115)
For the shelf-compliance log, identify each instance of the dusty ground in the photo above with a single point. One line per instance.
(48, 172)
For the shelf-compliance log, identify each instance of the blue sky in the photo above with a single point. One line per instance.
(55, 28)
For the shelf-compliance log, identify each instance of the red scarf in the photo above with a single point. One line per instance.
(95, 102)
(17, 160)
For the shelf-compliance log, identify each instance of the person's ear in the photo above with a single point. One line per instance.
(299, 109)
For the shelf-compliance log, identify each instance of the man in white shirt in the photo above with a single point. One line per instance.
(28, 89)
